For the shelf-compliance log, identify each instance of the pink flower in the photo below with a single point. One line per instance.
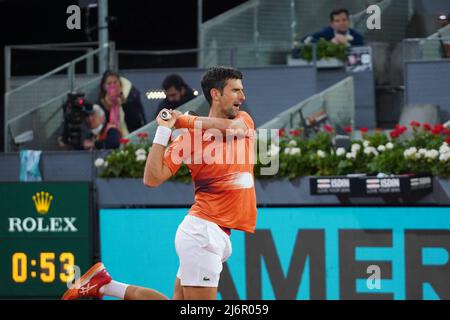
(394, 134)
(348, 129)
(142, 135)
(415, 124)
(437, 129)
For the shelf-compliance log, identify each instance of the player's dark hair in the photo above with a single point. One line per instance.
(216, 78)
(336, 12)
(174, 80)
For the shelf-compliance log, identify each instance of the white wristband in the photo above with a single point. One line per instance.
(162, 135)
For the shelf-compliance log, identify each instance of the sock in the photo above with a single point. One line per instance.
(114, 289)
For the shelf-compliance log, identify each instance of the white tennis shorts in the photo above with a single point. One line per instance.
(202, 247)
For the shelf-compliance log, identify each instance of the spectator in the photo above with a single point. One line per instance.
(122, 102)
(102, 135)
(444, 20)
(338, 32)
(177, 92)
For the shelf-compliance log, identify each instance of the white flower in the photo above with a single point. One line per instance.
(287, 151)
(444, 157)
(349, 37)
(369, 150)
(141, 157)
(389, 145)
(274, 150)
(340, 152)
(292, 143)
(140, 151)
(321, 154)
(295, 151)
(444, 149)
(411, 152)
(432, 154)
(418, 155)
(381, 148)
(351, 155)
(366, 143)
(99, 162)
(422, 151)
(356, 147)
(105, 165)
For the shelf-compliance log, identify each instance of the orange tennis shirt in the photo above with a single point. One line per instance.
(222, 172)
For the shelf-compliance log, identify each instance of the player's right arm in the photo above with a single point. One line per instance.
(156, 172)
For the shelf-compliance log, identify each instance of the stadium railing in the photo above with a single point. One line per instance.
(337, 102)
(31, 106)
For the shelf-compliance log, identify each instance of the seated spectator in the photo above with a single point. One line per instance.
(177, 93)
(122, 103)
(338, 32)
(102, 135)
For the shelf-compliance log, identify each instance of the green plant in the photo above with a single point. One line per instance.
(324, 50)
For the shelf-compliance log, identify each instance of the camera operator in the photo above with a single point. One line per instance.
(75, 129)
(103, 135)
(85, 126)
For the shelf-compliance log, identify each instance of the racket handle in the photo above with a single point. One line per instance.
(165, 115)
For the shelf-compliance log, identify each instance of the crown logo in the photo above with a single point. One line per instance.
(42, 201)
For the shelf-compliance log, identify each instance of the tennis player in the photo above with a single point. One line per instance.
(224, 191)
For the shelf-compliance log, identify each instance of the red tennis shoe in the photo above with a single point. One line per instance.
(89, 284)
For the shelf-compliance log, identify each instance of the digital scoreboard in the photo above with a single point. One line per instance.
(45, 230)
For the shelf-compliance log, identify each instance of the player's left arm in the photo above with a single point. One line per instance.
(222, 124)
(226, 126)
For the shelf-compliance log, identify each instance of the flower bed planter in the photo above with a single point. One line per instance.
(426, 151)
(327, 53)
(120, 192)
(441, 192)
(321, 64)
(124, 192)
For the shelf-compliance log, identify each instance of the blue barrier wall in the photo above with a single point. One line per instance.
(269, 90)
(296, 253)
(428, 82)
